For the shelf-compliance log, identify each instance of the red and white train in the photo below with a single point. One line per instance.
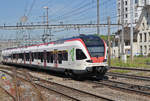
(84, 55)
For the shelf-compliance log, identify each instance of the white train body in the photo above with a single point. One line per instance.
(71, 55)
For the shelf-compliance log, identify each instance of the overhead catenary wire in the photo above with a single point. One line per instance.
(65, 7)
(84, 12)
(31, 7)
(72, 11)
(79, 11)
(26, 7)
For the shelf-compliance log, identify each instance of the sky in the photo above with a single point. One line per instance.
(66, 11)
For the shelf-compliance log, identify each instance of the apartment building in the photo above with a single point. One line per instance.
(143, 37)
(138, 6)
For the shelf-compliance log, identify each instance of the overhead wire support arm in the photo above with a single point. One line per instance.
(57, 26)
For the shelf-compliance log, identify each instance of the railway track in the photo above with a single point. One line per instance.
(69, 92)
(142, 90)
(14, 99)
(132, 69)
(77, 95)
(143, 78)
(17, 79)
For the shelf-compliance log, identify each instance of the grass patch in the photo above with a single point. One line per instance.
(141, 74)
(120, 71)
(137, 62)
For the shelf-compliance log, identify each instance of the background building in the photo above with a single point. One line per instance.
(141, 36)
(138, 6)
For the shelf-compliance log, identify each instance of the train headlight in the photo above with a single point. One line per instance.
(89, 69)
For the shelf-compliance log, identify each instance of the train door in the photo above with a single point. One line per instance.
(72, 57)
(45, 57)
(55, 58)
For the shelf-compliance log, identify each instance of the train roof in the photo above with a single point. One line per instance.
(81, 36)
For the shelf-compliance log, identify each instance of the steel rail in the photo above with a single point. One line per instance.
(8, 93)
(80, 91)
(125, 86)
(144, 78)
(28, 77)
(133, 69)
(66, 95)
(74, 99)
(15, 81)
(26, 80)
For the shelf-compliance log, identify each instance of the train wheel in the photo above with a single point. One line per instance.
(70, 73)
(66, 73)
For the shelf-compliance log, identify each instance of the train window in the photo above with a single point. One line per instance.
(80, 55)
(51, 57)
(11, 56)
(32, 56)
(45, 55)
(60, 57)
(49, 54)
(20, 56)
(27, 56)
(35, 55)
(42, 56)
(15, 56)
(39, 55)
(65, 56)
(24, 57)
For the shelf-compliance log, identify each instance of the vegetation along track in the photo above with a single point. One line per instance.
(72, 93)
(142, 90)
(143, 78)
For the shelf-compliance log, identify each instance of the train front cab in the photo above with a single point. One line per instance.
(96, 65)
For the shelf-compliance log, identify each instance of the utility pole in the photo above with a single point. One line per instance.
(119, 40)
(109, 42)
(123, 56)
(48, 31)
(131, 29)
(98, 17)
(46, 14)
(145, 2)
(44, 21)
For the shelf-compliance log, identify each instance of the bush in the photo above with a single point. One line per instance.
(140, 56)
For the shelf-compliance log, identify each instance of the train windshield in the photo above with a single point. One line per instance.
(94, 45)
